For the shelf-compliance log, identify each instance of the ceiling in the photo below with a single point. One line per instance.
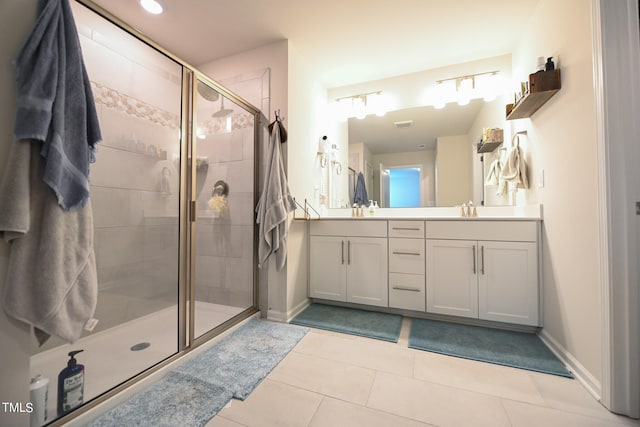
(346, 42)
(383, 137)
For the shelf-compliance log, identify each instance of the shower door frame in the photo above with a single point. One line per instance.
(191, 83)
(187, 212)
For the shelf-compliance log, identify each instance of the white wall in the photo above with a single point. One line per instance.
(561, 141)
(309, 120)
(453, 171)
(16, 20)
(412, 90)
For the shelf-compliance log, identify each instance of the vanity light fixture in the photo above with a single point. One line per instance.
(152, 6)
(361, 105)
(465, 88)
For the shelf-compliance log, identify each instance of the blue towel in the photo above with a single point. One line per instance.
(360, 195)
(55, 104)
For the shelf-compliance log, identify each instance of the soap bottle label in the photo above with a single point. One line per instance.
(73, 391)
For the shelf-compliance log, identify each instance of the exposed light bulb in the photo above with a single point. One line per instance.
(359, 106)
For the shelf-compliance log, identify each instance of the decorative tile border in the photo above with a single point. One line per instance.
(218, 125)
(124, 103)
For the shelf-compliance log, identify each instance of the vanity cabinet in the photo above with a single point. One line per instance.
(407, 265)
(483, 269)
(348, 261)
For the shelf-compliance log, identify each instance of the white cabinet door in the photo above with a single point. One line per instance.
(367, 271)
(328, 268)
(452, 280)
(508, 282)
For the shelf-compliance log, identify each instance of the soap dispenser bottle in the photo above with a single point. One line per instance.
(70, 385)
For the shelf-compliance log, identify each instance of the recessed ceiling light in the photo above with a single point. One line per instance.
(152, 6)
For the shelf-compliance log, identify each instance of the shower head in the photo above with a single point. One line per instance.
(223, 111)
(207, 92)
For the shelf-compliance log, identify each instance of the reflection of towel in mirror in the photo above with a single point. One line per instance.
(55, 103)
(514, 170)
(360, 194)
(51, 280)
(274, 206)
(494, 177)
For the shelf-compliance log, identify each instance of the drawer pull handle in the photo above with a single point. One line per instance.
(406, 228)
(404, 288)
(406, 253)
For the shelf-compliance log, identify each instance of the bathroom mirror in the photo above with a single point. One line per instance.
(424, 156)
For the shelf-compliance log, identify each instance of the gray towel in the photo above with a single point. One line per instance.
(55, 104)
(274, 206)
(51, 280)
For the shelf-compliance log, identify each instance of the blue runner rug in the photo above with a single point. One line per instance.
(197, 390)
(176, 400)
(370, 324)
(509, 348)
(239, 361)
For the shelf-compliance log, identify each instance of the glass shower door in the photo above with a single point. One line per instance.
(223, 154)
(136, 199)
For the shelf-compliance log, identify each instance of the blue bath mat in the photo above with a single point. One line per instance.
(370, 324)
(241, 360)
(509, 348)
(177, 400)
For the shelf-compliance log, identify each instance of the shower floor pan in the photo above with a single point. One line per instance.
(113, 356)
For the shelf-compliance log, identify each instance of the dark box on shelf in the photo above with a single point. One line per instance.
(544, 80)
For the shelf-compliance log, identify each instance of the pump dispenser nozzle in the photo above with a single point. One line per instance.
(72, 362)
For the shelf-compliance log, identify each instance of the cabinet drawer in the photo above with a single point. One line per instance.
(406, 256)
(407, 291)
(354, 227)
(410, 229)
(514, 231)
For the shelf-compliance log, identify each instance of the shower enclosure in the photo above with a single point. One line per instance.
(173, 194)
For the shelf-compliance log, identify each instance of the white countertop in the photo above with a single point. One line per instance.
(528, 212)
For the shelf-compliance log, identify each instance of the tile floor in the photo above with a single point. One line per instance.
(333, 380)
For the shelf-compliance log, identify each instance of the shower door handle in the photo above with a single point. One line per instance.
(193, 211)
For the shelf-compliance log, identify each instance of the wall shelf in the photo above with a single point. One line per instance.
(491, 140)
(543, 85)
